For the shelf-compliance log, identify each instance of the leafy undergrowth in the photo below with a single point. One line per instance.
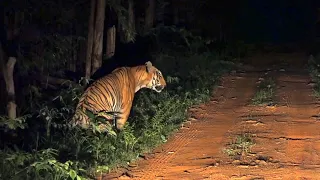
(265, 92)
(42, 146)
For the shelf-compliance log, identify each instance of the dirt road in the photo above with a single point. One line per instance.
(286, 135)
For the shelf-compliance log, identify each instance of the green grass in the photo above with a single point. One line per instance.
(241, 145)
(45, 148)
(265, 92)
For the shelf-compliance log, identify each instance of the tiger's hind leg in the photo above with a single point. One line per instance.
(104, 121)
(109, 125)
(116, 119)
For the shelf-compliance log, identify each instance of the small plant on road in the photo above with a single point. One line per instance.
(241, 145)
(265, 92)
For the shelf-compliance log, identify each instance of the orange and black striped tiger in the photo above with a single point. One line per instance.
(115, 93)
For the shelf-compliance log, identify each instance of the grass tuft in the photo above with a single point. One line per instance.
(265, 92)
(241, 145)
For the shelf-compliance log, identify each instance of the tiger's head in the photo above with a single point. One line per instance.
(153, 78)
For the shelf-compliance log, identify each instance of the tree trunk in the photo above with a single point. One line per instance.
(127, 31)
(90, 39)
(73, 56)
(8, 77)
(82, 56)
(149, 18)
(9, 66)
(175, 15)
(111, 41)
(131, 18)
(98, 36)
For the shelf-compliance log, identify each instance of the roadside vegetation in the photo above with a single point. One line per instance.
(314, 69)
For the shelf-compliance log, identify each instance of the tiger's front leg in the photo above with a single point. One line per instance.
(121, 120)
(124, 113)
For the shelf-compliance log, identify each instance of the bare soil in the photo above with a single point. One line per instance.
(286, 134)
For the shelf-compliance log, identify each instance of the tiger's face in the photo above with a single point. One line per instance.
(157, 81)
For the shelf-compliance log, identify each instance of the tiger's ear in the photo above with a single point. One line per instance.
(148, 66)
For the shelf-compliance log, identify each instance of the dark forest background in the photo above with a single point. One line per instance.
(52, 49)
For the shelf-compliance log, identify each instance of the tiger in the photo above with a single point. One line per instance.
(115, 93)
